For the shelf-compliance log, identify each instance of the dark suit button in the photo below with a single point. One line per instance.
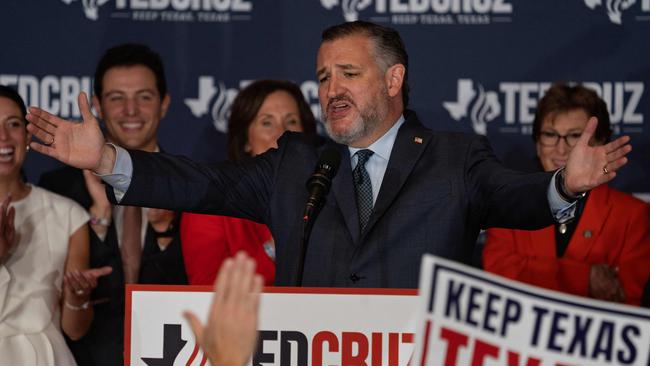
(354, 277)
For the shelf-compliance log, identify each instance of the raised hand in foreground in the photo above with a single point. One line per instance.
(590, 166)
(229, 337)
(80, 145)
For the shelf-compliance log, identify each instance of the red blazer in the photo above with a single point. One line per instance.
(614, 229)
(207, 240)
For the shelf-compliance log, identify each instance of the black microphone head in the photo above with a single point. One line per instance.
(326, 169)
(329, 161)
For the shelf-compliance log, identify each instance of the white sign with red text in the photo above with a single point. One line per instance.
(470, 317)
(298, 326)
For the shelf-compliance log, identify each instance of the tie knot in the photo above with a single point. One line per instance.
(363, 156)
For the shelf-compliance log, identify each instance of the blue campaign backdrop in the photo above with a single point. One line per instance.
(477, 66)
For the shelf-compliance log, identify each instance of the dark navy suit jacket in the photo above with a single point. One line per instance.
(438, 191)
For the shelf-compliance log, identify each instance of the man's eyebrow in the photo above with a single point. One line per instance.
(147, 90)
(112, 92)
(347, 66)
(339, 66)
(121, 92)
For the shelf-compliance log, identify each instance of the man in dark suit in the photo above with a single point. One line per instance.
(131, 98)
(401, 191)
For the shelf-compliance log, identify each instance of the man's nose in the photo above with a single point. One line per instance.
(333, 87)
(131, 106)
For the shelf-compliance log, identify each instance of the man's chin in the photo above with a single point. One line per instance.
(344, 136)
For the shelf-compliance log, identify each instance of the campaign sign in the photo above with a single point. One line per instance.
(298, 326)
(470, 317)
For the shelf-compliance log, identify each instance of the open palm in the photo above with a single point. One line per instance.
(77, 144)
(590, 166)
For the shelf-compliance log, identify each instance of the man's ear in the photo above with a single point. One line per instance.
(394, 79)
(98, 107)
(164, 105)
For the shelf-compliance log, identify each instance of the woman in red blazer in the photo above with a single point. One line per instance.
(260, 114)
(604, 252)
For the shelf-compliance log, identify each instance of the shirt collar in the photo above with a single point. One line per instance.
(384, 145)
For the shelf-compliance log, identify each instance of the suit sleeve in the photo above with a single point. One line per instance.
(179, 184)
(204, 247)
(504, 256)
(503, 197)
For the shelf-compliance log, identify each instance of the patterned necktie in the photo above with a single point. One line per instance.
(131, 248)
(363, 186)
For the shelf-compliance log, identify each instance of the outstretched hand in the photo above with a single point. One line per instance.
(77, 144)
(229, 337)
(590, 166)
(7, 229)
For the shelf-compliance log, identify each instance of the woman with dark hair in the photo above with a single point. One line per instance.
(45, 282)
(604, 251)
(260, 114)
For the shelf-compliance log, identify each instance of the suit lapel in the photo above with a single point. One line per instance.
(591, 222)
(411, 141)
(343, 189)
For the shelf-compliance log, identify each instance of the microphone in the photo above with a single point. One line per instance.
(318, 185)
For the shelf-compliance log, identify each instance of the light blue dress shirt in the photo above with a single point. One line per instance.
(378, 162)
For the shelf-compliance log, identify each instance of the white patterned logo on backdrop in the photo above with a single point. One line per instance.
(215, 98)
(615, 8)
(425, 12)
(513, 104)
(201, 11)
(56, 94)
(90, 7)
(350, 8)
(477, 104)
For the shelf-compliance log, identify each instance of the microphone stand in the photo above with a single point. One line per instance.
(308, 223)
(318, 186)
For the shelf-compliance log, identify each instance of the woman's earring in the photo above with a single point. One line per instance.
(27, 148)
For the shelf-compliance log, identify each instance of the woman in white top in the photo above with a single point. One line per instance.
(45, 282)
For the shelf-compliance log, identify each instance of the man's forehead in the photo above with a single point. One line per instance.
(343, 52)
(136, 78)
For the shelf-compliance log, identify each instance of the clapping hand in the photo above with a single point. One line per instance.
(604, 284)
(96, 189)
(78, 284)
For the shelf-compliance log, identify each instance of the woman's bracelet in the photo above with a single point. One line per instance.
(82, 307)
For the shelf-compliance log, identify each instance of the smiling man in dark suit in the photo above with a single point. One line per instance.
(142, 245)
(402, 190)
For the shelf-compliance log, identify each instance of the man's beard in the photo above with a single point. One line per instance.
(367, 121)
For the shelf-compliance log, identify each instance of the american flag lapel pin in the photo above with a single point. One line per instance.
(417, 140)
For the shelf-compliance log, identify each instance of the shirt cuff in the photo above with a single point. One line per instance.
(561, 209)
(120, 177)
